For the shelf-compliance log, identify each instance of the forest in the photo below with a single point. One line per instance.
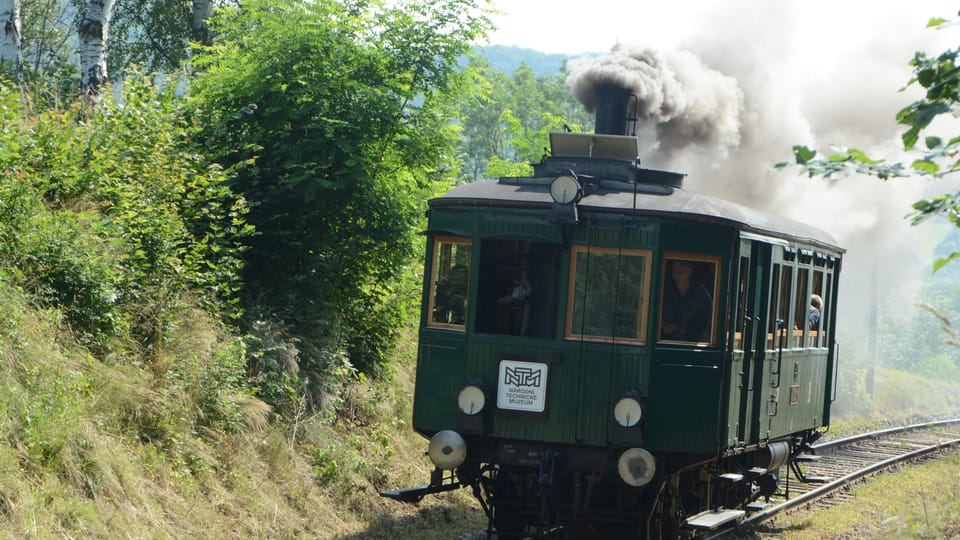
(209, 253)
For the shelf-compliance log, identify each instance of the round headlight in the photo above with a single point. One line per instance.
(471, 400)
(628, 411)
(447, 449)
(565, 189)
(636, 467)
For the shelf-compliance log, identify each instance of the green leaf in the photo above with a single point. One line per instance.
(861, 157)
(925, 166)
(936, 21)
(933, 142)
(940, 263)
(803, 154)
(910, 137)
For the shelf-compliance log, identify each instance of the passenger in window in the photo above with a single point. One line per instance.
(451, 298)
(687, 305)
(813, 312)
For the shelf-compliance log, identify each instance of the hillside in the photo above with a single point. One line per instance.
(507, 59)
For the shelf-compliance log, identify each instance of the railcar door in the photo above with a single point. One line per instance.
(749, 336)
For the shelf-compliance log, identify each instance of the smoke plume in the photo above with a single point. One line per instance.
(683, 100)
(739, 94)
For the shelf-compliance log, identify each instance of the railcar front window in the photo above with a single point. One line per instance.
(608, 294)
(517, 288)
(450, 282)
(688, 300)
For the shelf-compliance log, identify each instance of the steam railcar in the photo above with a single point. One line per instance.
(602, 350)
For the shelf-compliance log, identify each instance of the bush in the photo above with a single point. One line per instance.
(109, 212)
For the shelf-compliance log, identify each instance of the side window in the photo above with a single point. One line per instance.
(608, 294)
(741, 304)
(801, 315)
(783, 311)
(815, 311)
(772, 329)
(688, 300)
(825, 315)
(449, 282)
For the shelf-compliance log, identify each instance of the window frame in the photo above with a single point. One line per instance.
(432, 290)
(643, 308)
(717, 261)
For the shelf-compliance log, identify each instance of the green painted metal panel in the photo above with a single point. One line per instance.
(441, 374)
(585, 381)
(684, 401)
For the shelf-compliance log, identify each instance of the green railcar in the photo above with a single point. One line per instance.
(601, 349)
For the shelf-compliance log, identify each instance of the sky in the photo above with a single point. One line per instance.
(765, 75)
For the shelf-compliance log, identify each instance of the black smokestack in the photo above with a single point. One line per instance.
(686, 102)
(612, 106)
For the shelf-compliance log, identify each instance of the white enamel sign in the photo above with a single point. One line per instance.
(522, 386)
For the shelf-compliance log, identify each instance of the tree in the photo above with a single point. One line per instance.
(157, 33)
(11, 60)
(506, 120)
(335, 119)
(93, 32)
(939, 75)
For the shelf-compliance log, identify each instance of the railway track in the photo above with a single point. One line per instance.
(835, 464)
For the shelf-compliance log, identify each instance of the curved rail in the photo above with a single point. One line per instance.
(852, 476)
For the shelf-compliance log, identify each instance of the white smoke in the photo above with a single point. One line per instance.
(739, 95)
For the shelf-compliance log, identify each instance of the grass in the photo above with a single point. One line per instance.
(917, 502)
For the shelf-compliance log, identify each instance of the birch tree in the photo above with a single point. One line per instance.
(11, 60)
(93, 32)
(202, 9)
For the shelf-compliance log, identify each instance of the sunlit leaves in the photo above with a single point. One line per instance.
(336, 120)
(841, 163)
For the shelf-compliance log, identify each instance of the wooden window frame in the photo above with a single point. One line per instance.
(434, 268)
(717, 261)
(644, 308)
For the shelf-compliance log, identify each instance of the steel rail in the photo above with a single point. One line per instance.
(880, 433)
(845, 480)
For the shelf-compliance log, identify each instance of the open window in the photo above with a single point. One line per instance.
(688, 309)
(517, 288)
(803, 317)
(449, 282)
(608, 294)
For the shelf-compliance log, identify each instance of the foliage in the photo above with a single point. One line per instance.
(154, 33)
(109, 215)
(335, 120)
(48, 39)
(506, 120)
(939, 76)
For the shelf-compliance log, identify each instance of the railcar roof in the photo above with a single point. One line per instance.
(642, 199)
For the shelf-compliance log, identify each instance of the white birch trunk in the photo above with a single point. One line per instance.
(202, 9)
(11, 59)
(94, 26)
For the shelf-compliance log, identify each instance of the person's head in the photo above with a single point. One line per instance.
(681, 271)
(816, 301)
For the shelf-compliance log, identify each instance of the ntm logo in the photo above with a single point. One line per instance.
(522, 376)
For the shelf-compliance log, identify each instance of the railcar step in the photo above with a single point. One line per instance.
(711, 519)
(758, 471)
(806, 458)
(756, 506)
(732, 477)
